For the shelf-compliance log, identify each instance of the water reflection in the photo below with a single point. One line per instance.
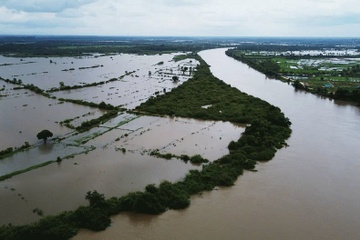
(46, 147)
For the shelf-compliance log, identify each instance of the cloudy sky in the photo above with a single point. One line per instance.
(321, 18)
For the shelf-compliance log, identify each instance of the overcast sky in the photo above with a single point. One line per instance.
(317, 18)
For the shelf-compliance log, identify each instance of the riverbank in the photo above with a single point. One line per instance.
(329, 77)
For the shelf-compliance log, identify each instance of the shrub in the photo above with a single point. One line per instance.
(197, 159)
(92, 218)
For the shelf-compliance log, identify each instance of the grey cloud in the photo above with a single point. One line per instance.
(43, 5)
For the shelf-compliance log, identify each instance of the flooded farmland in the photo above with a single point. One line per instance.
(49, 72)
(112, 158)
(309, 190)
(24, 114)
(137, 76)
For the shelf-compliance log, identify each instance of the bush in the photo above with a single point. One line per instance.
(197, 159)
(142, 202)
(185, 158)
(6, 151)
(95, 219)
(264, 155)
(172, 196)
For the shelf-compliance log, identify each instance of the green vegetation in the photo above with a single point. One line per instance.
(181, 57)
(267, 131)
(226, 103)
(2, 178)
(10, 150)
(264, 64)
(58, 160)
(36, 89)
(44, 135)
(175, 78)
(317, 74)
(6, 152)
(87, 125)
(101, 105)
(196, 159)
(38, 211)
(66, 87)
(95, 122)
(31, 87)
(81, 46)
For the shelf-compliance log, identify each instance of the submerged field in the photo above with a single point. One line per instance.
(25, 113)
(116, 156)
(106, 168)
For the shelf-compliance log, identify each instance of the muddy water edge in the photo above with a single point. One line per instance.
(309, 190)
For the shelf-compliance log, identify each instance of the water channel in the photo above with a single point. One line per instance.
(310, 190)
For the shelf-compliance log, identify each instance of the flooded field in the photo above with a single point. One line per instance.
(134, 78)
(112, 158)
(109, 170)
(309, 190)
(49, 72)
(24, 114)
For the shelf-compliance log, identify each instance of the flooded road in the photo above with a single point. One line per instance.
(309, 190)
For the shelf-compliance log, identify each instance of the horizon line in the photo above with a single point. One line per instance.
(170, 36)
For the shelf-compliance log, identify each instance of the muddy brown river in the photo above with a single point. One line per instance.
(310, 190)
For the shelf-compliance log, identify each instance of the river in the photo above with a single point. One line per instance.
(310, 190)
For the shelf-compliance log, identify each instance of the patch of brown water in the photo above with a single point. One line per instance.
(24, 114)
(62, 186)
(309, 190)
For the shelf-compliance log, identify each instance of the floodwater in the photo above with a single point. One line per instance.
(310, 190)
(49, 72)
(94, 160)
(24, 114)
(63, 186)
(131, 90)
(146, 75)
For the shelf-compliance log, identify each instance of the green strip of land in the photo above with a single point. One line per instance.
(336, 77)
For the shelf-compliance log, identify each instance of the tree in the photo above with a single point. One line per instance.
(184, 69)
(44, 134)
(175, 78)
(62, 85)
(102, 105)
(95, 199)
